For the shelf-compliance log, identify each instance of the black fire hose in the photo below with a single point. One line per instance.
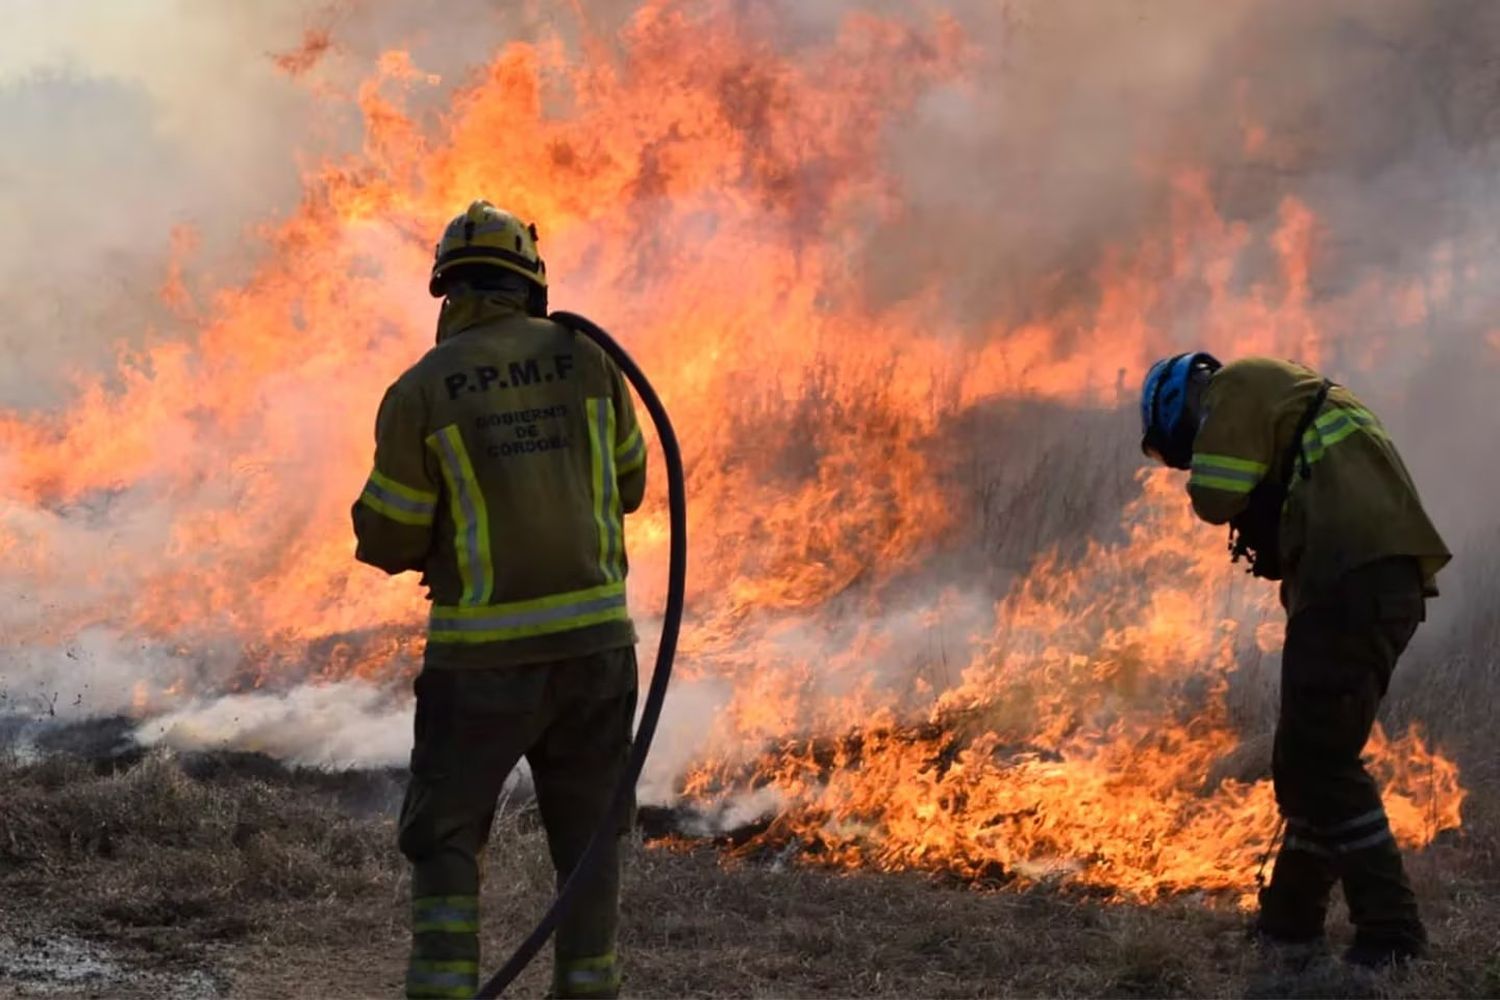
(656, 694)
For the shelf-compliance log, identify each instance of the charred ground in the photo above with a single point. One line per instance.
(126, 874)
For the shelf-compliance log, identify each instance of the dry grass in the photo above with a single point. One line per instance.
(233, 877)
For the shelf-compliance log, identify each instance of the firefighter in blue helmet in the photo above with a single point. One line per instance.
(1317, 498)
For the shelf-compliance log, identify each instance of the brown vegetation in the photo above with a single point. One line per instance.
(231, 876)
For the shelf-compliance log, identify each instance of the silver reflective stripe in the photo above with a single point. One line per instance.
(631, 456)
(1378, 837)
(608, 499)
(390, 499)
(1307, 846)
(589, 977)
(447, 913)
(464, 497)
(1220, 472)
(522, 619)
(447, 980)
(1377, 813)
(436, 919)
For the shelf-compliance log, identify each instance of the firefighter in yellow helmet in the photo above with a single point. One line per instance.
(505, 460)
(1318, 498)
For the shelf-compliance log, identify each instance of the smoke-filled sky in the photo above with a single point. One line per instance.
(1065, 141)
(124, 121)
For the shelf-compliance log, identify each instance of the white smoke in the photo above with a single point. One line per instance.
(350, 724)
(123, 121)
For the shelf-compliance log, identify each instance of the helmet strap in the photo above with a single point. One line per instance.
(536, 300)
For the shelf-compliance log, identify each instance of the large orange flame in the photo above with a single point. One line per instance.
(711, 199)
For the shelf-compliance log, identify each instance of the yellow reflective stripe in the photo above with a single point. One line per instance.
(596, 471)
(586, 976)
(524, 619)
(606, 487)
(402, 504)
(593, 962)
(471, 518)
(1337, 425)
(552, 601)
(1220, 483)
(445, 915)
(1226, 473)
(1228, 463)
(427, 978)
(400, 515)
(631, 453)
(401, 489)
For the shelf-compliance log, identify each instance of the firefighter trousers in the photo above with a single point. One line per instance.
(1336, 666)
(571, 720)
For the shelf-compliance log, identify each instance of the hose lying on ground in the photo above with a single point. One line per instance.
(657, 692)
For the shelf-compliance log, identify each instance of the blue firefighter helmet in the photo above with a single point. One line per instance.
(1169, 398)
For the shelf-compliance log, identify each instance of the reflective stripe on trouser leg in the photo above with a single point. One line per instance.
(1294, 905)
(575, 776)
(445, 914)
(1296, 843)
(1381, 902)
(1305, 837)
(1363, 831)
(596, 976)
(427, 978)
(445, 947)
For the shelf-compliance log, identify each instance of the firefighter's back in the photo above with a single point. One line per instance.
(528, 562)
(1351, 500)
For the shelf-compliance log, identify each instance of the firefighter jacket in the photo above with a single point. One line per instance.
(1350, 500)
(505, 460)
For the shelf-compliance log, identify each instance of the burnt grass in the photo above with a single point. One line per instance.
(231, 875)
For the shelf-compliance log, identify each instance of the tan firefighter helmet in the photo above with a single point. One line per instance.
(490, 237)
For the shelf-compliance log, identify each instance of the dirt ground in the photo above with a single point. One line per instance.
(230, 876)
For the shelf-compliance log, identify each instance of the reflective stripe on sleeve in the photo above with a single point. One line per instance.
(400, 503)
(630, 454)
(471, 518)
(1226, 473)
(524, 619)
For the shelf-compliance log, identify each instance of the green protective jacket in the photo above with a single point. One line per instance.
(1357, 502)
(505, 461)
